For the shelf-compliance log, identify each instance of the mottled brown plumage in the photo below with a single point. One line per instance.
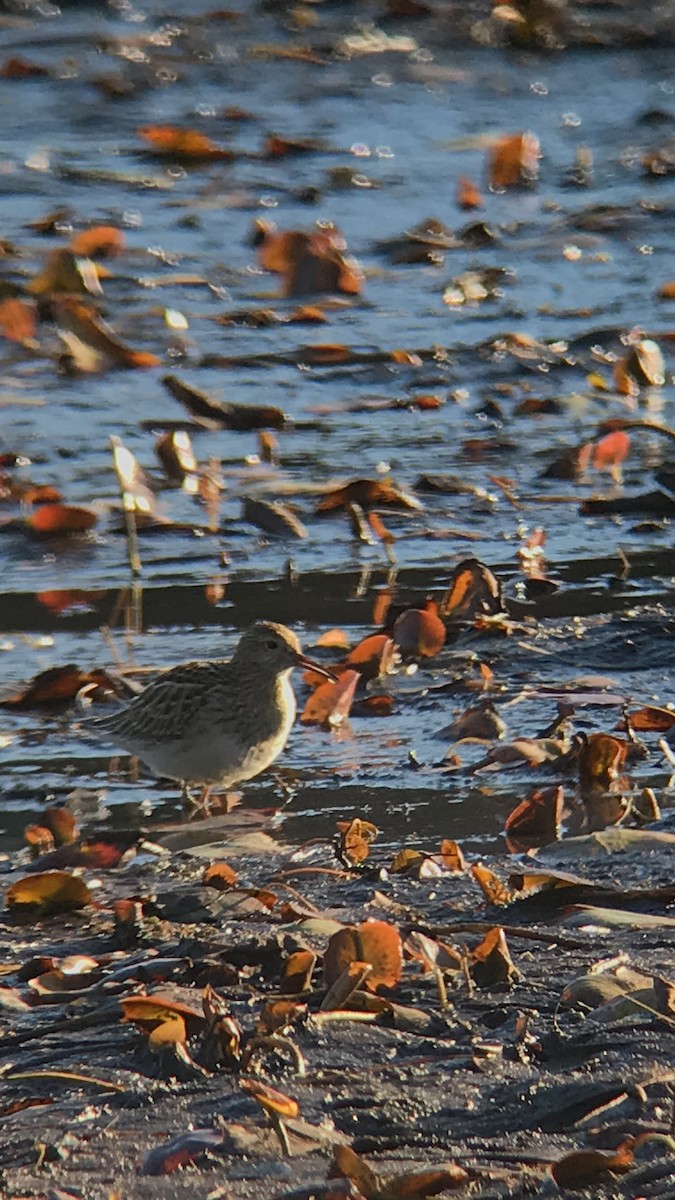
(219, 722)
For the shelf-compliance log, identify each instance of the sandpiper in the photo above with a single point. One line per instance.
(218, 722)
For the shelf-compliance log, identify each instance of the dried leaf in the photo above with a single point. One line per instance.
(279, 1015)
(91, 344)
(514, 160)
(356, 837)
(492, 887)
(415, 1185)
(55, 520)
(368, 493)
(180, 1151)
(611, 451)
(350, 1165)
(66, 274)
(583, 1168)
(57, 685)
(374, 942)
(175, 453)
(102, 241)
(171, 1032)
(349, 981)
(330, 703)
(601, 758)
(480, 723)
(18, 319)
(270, 1099)
(219, 875)
(451, 855)
(147, 1012)
(492, 962)
(48, 892)
(420, 632)
(536, 820)
(651, 719)
(373, 656)
(273, 517)
(182, 145)
(432, 954)
(298, 970)
(468, 194)
(473, 590)
(228, 415)
(337, 639)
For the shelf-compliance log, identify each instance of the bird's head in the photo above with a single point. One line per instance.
(274, 649)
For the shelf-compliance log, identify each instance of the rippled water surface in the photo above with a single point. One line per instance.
(397, 130)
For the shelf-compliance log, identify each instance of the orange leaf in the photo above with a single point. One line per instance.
(58, 685)
(373, 942)
(583, 1168)
(473, 590)
(91, 344)
(651, 719)
(280, 1014)
(451, 855)
(172, 142)
(381, 605)
(372, 656)
(495, 892)
(100, 242)
(420, 632)
(270, 1099)
(39, 839)
(428, 402)
(171, 1032)
(468, 194)
(298, 970)
(346, 1162)
(58, 601)
(374, 706)
(55, 519)
(147, 1012)
(48, 892)
(18, 67)
(62, 825)
(416, 1185)
(611, 450)
(600, 760)
(492, 963)
(333, 639)
(18, 319)
(219, 875)
(535, 821)
(330, 703)
(514, 160)
(369, 493)
(355, 839)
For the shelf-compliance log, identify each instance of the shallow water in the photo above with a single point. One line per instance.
(580, 274)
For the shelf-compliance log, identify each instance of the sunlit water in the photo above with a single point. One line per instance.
(397, 121)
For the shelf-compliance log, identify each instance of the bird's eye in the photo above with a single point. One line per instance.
(271, 645)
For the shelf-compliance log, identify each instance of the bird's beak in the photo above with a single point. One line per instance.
(308, 664)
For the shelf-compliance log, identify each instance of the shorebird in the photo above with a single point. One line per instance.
(219, 722)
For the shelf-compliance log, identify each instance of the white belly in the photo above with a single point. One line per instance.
(219, 758)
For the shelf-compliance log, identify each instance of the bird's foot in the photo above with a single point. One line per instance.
(209, 802)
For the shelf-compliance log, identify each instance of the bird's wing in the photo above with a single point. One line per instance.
(165, 709)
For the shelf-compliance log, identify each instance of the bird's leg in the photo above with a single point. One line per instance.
(197, 806)
(203, 801)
